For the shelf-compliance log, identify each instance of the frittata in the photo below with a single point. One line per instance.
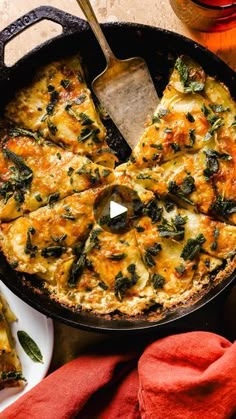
(10, 365)
(54, 163)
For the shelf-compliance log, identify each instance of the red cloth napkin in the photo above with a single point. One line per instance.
(185, 376)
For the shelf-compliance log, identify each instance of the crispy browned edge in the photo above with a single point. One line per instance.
(12, 384)
(150, 315)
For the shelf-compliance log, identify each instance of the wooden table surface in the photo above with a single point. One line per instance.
(152, 12)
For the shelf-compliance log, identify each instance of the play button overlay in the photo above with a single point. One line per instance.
(117, 209)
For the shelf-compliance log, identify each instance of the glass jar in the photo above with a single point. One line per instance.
(206, 15)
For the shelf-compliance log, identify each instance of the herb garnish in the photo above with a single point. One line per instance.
(186, 188)
(219, 108)
(30, 346)
(65, 83)
(94, 176)
(106, 172)
(212, 164)
(192, 138)
(30, 249)
(173, 229)
(14, 264)
(24, 170)
(144, 176)
(140, 229)
(188, 185)
(123, 283)
(80, 99)
(38, 197)
(150, 252)
(52, 198)
(215, 242)
(193, 247)
(19, 180)
(118, 256)
(86, 133)
(54, 96)
(71, 111)
(51, 88)
(81, 251)
(76, 270)
(175, 147)
(223, 207)
(52, 127)
(169, 205)
(80, 77)
(168, 130)
(17, 132)
(157, 146)
(180, 269)
(190, 117)
(190, 85)
(70, 171)
(85, 119)
(52, 251)
(82, 117)
(68, 217)
(59, 239)
(12, 375)
(153, 211)
(102, 285)
(216, 122)
(234, 122)
(94, 240)
(162, 112)
(205, 110)
(158, 281)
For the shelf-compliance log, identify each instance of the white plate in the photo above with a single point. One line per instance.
(39, 328)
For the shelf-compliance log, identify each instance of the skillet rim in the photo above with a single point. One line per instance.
(31, 297)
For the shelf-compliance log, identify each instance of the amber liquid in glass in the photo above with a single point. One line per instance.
(206, 15)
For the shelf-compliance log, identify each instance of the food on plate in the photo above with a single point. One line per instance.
(183, 170)
(10, 366)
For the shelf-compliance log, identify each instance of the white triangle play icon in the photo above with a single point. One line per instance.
(116, 209)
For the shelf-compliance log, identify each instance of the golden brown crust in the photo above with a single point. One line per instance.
(37, 173)
(58, 104)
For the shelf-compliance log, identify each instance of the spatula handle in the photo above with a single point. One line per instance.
(88, 11)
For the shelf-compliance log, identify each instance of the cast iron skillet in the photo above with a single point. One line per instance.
(159, 48)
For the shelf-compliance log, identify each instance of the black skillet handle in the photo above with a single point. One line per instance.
(68, 22)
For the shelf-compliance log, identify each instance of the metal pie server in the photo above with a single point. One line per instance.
(125, 88)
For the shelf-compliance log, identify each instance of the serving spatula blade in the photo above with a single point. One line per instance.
(125, 88)
(127, 93)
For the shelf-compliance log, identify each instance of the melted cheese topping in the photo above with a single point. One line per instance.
(56, 228)
(55, 174)
(59, 105)
(204, 190)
